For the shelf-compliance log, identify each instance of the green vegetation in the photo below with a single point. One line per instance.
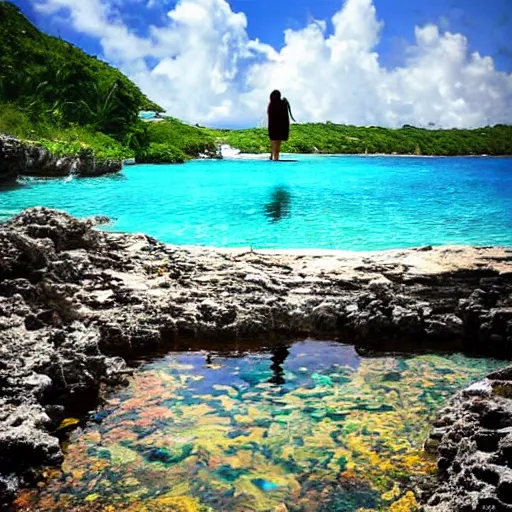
(104, 147)
(61, 141)
(53, 80)
(332, 138)
(161, 154)
(191, 140)
(55, 94)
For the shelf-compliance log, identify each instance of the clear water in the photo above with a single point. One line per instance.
(350, 202)
(314, 427)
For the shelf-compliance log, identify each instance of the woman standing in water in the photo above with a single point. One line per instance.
(279, 113)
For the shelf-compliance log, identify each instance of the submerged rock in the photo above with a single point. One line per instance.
(74, 300)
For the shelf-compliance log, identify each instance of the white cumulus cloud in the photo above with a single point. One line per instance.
(202, 67)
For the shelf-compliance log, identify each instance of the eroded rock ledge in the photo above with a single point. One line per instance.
(75, 301)
(472, 438)
(19, 158)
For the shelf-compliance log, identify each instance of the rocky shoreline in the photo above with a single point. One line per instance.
(76, 303)
(19, 158)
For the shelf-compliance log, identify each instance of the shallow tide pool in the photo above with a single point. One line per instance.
(310, 427)
(321, 202)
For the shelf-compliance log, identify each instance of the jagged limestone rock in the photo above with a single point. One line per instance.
(74, 299)
(20, 158)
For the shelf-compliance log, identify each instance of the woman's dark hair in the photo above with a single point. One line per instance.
(275, 96)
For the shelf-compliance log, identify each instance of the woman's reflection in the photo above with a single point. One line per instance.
(279, 354)
(279, 205)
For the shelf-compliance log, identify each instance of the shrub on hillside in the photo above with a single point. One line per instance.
(161, 154)
(191, 140)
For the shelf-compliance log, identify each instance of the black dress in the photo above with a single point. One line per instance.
(278, 120)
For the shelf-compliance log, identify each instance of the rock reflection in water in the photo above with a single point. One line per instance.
(313, 427)
(279, 205)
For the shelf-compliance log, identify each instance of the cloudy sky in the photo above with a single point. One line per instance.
(364, 62)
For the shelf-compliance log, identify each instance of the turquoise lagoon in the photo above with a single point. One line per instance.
(313, 427)
(323, 202)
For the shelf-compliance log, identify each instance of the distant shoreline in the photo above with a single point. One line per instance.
(264, 156)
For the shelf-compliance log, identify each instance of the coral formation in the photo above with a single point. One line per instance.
(340, 434)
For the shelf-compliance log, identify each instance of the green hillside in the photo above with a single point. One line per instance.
(342, 139)
(57, 82)
(330, 138)
(66, 99)
(54, 93)
(189, 140)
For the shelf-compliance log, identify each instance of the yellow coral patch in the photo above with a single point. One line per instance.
(232, 392)
(227, 402)
(121, 455)
(174, 504)
(68, 422)
(243, 459)
(195, 411)
(212, 420)
(392, 494)
(407, 503)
